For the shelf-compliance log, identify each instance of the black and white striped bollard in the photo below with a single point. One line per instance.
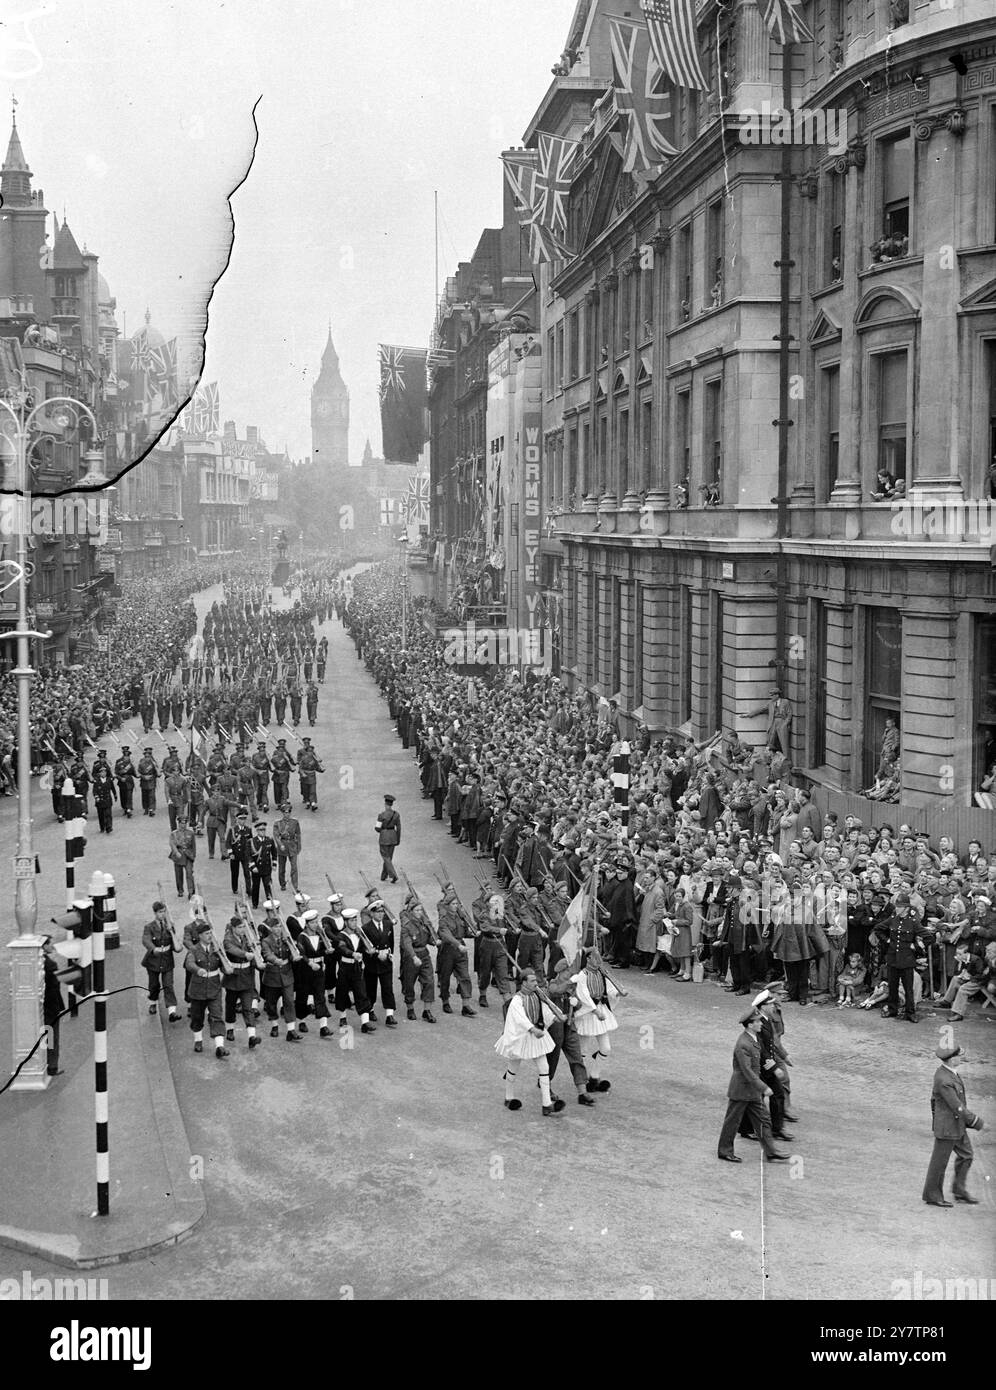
(112, 937)
(98, 892)
(620, 784)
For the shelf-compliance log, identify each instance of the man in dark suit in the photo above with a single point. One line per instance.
(747, 1092)
(951, 1122)
(388, 837)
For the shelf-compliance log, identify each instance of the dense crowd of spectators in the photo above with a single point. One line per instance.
(728, 860)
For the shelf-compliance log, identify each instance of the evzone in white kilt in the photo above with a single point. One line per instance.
(593, 1018)
(526, 1013)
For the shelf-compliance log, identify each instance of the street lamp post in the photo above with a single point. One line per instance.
(27, 966)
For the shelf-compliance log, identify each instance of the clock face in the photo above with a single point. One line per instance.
(324, 408)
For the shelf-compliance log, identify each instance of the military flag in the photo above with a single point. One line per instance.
(403, 403)
(673, 38)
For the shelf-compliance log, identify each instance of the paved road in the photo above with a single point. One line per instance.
(392, 1170)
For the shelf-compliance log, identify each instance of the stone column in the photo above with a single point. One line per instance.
(627, 617)
(927, 714)
(754, 83)
(607, 466)
(590, 488)
(630, 487)
(847, 489)
(658, 669)
(840, 701)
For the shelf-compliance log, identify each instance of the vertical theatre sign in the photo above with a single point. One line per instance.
(532, 530)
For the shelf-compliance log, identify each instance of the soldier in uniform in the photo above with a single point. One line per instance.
(349, 987)
(261, 776)
(183, 852)
(157, 942)
(177, 794)
(416, 964)
(147, 710)
(531, 946)
(453, 931)
(264, 852)
(124, 771)
(195, 766)
(310, 974)
(239, 851)
(176, 705)
(215, 820)
(278, 978)
(280, 701)
(103, 793)
(308, 766)
(332, 922)
(241, 983)
(287, 839)
(162, 709)
(171, 762)
(81, 778)
(378, 968)
(312, 702)
(295, 703)
(904, 945)
(282, 765)
(204, 975)
(196, 799)
(490, 955)
(388, 827)
(265, 702)
(563, 992)
(148, 776)
(323, 651)
(217, 762)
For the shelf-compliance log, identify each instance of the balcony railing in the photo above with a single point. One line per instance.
(66, 307)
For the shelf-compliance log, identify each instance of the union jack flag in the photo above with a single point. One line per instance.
(207, 409)
(163, 369)
(641, 97)
(523, 177)
(392, 371)
(141, 352)
(671, 25)
(785, 22)
(417, 501)
(553, 181)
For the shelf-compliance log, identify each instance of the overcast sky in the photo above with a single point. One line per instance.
(136, 119)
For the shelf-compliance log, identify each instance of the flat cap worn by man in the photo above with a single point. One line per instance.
(951, 1120)
(747, 1092)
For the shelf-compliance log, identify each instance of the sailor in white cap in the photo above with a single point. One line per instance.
(309, 973)
(332, 922)
(349, 987)
(378, 966)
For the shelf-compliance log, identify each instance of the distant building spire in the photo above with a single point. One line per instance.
(15, 176)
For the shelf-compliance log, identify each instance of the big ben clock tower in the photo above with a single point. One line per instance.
(330, 412)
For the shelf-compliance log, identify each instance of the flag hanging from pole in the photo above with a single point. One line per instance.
(642, 98)
(417, 501)
(785, 22)
(403, 402)
(533, 202)
(557, 158)
(673, 38)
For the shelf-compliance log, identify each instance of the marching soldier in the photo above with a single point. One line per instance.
(287, 839)
(295, 703)
(491, 956)
(204, 974)
(171, 762)
(196, 799)
(416, 963)
(175, 786)
(265, 702)
(563, 992)
(280, 701)
(323, 649)
(124, 771)
(81, 778)
(157, 942)
(176, 707)
(308, 766)
(312, 702)
(183, 852)
(217, 762)
(349, 987)
(451, 959)
(148, 776)
(103, 793)
(162, 709)
(147, 710)
(240, 985)
(215, 820)
(195, 767)
(378, 966)
(261, 770)
(60, 772)
(282, 765)
(532, 938)
(332, 923)
(279, 952)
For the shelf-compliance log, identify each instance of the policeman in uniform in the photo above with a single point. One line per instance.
(388, 827)
(378, 968)
(124, 771)
(204, 973)
(103, 793)
(148, 776)
(416, 963)
(453, 931)
(308, 766)
(282, 765)
(261, 776)
(287, 838)
(904, 945)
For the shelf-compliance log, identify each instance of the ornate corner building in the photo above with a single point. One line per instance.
(687, 590)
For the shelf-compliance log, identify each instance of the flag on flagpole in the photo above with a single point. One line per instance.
(785, 22)
(673, 38)
(570, 933)
(403, 402)
(532, 202)
(557, 158)
(641, 97)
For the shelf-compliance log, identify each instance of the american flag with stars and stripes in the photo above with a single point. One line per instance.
(671, 25)
(785, 22)
(641, 96)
